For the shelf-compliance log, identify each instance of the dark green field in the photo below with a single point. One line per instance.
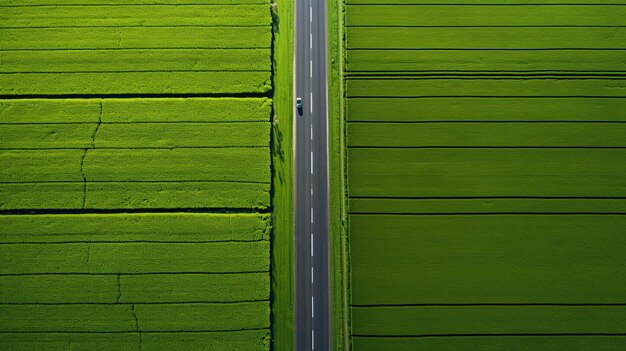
(486, 174)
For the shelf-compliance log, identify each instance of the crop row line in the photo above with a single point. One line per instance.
(152, 4)
(140, 71)
(446, 49)
(141, 181)
(484, 121)
(493, 197)
(483, 335)
(473, 73)
(486, 213)
(487, 77)
(127, 332)
(136, 122)
(492, 304)
(150, 49)
(126, 273)
(129, 242)
(137, 148)
(487, 147)
(268, 26)
(504, 4)
(130, 303)
(233, 211)
(482, 26)
(487, 96)
(133, 96)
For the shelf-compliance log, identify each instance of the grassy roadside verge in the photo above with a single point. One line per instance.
(339, 298)
(282, 195)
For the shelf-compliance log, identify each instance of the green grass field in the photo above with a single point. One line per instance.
(135, 139)
(485, 174)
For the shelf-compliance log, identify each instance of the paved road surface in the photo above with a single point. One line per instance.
(312, 295)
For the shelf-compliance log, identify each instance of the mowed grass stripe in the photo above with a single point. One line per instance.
(518, 134)
(136, 38)
(67, 318)
(32, 166)
(186, 110)
(189, 164)
(150, 288)
(134, 195)
(203, 195)
(201, 317)
(130, 341)
(195, 135)
(457, 172)
(234, 340)
(489, 205)
(142, 288)
(149, 83)
(477, 87)
(485, 38)
(451, 343)
(125, 341)
(477, 15)
(484, 109)
(225, 165)
(139, 16)
(135, 60)
(221, 257)
(455, 320)
(70, 136)
(455, 61)
(135, 110)
(58, 289)
(125, 318)
(37, 196)
(139, 135)
(487, 259)
(164, 227)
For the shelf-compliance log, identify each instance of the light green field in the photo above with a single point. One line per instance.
(137, 172)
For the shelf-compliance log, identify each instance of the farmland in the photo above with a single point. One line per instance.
(135, 192)
(485, 171)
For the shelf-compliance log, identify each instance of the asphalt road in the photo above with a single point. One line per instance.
(312, 320)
